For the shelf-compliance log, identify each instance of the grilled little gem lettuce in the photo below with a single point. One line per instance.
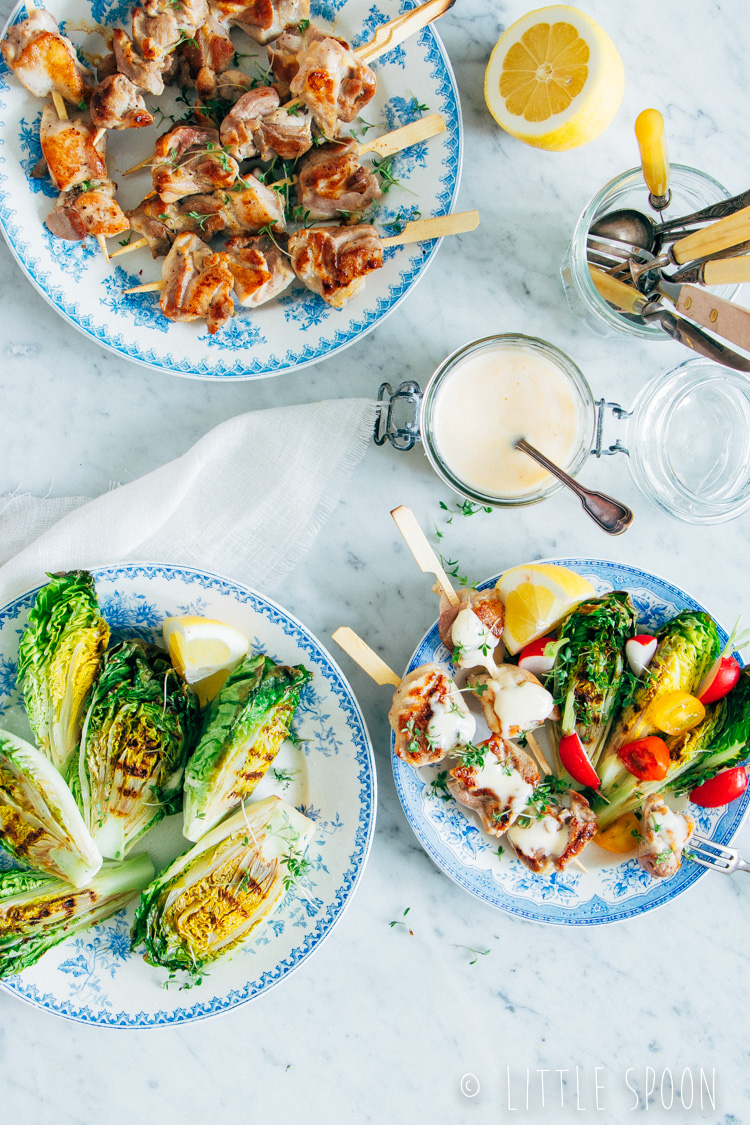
(244, 727)
(37, 911)
(58, 660)
(39, 821)
(140, 726)
(210, 899)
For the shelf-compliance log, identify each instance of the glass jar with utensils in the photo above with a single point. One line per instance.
(687, 437)
(619, 213)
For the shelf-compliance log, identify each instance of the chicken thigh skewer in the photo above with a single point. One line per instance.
(387, 145)
(334, 261)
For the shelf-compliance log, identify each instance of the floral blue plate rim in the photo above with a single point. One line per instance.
(611, 893)
(138, 621)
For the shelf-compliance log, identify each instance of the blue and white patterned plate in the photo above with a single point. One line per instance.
(93, 977)
(612, 890)
(299, 328)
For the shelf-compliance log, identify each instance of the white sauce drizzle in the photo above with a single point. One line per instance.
(672, 833)
(506, 783)
(520, 707)
(451, 722)
(475, 642)
(547, 836)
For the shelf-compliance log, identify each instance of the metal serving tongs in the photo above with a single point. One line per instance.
(649, 308)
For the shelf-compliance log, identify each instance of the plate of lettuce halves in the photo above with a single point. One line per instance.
(311, 847)
(613, 888)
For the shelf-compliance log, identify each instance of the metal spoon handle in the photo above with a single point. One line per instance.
(612, 516)
(714, 211)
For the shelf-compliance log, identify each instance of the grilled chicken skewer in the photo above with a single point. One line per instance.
(334, 261)
(330, 181)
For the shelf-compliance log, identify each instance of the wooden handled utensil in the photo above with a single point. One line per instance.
(652, 144)
(421, 549)
(700, 244)
(395, 32)
(364, 656)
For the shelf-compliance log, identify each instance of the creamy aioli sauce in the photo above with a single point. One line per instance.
(489, 400)
(546, 835)
(673, 830)
(520, 707)
(451, 723)
(477, 643)
(510, 788)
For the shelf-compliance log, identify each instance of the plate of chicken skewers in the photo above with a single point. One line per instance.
(221, 189)
(560, 779)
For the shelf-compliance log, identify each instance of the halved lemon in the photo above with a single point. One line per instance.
(203, 651)
(555, 79)
(536, 597)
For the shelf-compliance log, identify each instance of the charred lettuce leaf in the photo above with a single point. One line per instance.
(140, 726)
(209, 900)
(725, 744)
(39, 820)
(58, 660)
(589, 662)
(244, 727)
(37, 911)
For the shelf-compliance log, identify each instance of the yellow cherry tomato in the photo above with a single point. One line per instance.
(676, 712)
(621, 836)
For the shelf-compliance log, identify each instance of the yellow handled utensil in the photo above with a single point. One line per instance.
(704, 243)
(362, 654)
(652, 143)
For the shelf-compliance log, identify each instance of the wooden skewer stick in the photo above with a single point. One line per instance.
(99, 134)
(137, 245)
(149, 287)
(438, 227)
(411, 134)
(538, 752)
(141, 164)
(103, 246)
(363, 655)
(60, 106)
(578, 863)
(425, 557)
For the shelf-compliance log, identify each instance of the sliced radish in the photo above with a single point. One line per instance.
(533, 658)
(719, 681)
(576, 761)
(640, 651)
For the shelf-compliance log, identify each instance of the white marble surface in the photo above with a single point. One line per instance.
(380, 1026)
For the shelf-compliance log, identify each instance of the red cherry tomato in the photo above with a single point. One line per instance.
(719, 681)
(533, 660)
(722, 789)
(575, 760)
(647, 758)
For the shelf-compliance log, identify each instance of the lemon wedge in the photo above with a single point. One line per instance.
(203, 651)
(536, 597)
(555, 79)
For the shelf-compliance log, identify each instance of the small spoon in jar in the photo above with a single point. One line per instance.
(612, 516)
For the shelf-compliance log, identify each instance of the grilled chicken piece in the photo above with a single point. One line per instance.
(498, 790)
(146, 74)
(285, 53)
(232, 84)
(553, 838)
(208, 53)
(332, 82)
(188, 13)
(331, 181)
(243, 121)
(253, 207)
(156, 36)
(286, 133)
(260, 269)
(160, 223)
(198, 283)
(513, 700)
(473, 629)
(80, 213)
(117, 104)
(429, 716)
(664, 834)
(189, 160)
(335, 261)
(68, 147)
(42, 59)
(262, 20)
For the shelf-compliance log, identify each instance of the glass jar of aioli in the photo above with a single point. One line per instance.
(691, 190)
(688, 434)
(488, 394)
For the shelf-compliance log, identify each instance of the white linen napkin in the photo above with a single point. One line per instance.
(245, 502)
